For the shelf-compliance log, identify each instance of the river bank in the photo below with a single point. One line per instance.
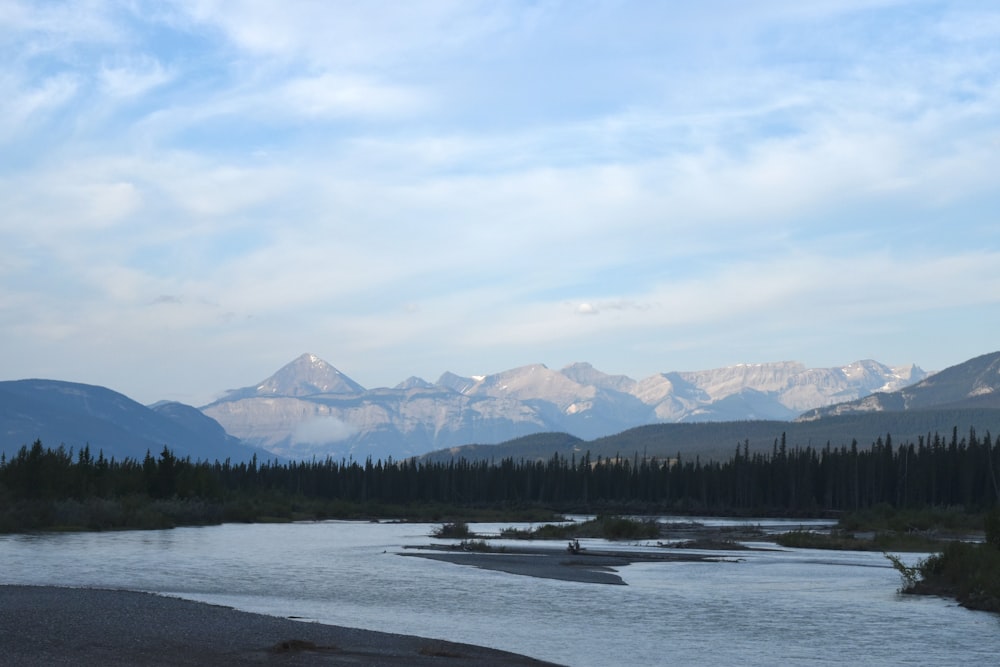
(52, 626)
(350, 574)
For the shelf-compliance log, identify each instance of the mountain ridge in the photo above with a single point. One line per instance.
(972, 383)
(309, 395)
(76, 415)
(958, 400)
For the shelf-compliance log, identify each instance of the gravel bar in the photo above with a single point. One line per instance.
(585, 567)
(43, 625)
(543, 566)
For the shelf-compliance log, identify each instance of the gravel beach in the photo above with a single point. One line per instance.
(83, 627)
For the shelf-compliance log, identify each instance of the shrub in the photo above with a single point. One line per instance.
(606, 527)
(967, 572)
(910, 574)
(481, 546)
(624, 528)
(456, 530)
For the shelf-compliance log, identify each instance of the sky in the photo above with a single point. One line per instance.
(194, 193)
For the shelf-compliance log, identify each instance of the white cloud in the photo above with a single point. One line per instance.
(49, 207)
(25, 105)
(351, 34)
(133, 77)
(322, 431)
(336, 96)
(221, 191)
(37, 28)
(466, 179)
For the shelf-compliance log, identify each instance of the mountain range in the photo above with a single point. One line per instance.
(309, 408)
(947, 404)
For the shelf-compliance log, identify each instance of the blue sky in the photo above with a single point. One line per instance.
(197, 192)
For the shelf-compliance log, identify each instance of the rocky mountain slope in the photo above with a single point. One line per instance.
(309, 408)
(972, 384)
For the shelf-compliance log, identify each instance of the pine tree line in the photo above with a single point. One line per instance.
(934, 471)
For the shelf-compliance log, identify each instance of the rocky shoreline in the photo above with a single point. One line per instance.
(52, 626)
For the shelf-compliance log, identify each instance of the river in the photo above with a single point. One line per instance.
(779, 606)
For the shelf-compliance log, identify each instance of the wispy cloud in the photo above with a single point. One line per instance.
(133, 77)
(337, 96)
(27, 104)
(351, 35)
(452, 185)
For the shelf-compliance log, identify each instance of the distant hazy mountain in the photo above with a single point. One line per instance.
(969, 385)
(718, 440)
(953, 401)
(309, 408)
(76, 415)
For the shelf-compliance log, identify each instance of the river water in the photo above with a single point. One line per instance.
(784, 606)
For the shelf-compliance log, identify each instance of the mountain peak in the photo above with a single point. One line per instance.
(414, 382)
(306, 375)
(584, 373)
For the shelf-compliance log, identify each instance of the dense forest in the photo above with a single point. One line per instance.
(41, 486)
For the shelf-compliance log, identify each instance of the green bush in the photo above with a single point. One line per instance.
(455, 530)
(624, 528)
(967, 572)
(604, 527)
(481, 546)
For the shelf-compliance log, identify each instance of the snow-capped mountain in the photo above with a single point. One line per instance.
(309, 408)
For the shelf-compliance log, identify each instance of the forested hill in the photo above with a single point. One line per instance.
(718, 440)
